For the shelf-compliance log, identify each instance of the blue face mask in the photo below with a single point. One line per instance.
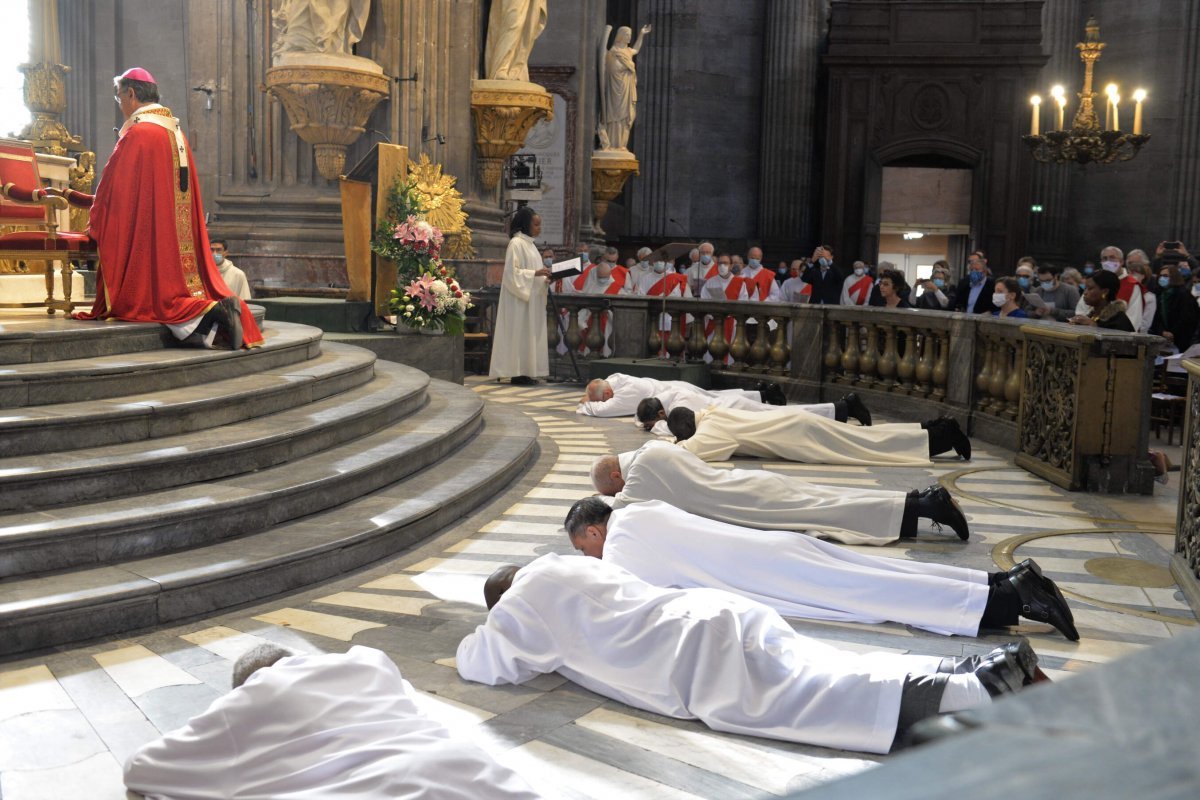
(824, 262)
(218, 259)
(939, 283)
(976, 278)
(1088, 270)
(584, 258)
(754, 262)
(1185, 272)
(1164, 281)
(1023, 282)
(782, 270)
(1048, 285)
(706, 259)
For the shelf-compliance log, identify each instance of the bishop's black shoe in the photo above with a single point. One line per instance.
(935, 503)
(1040, 598)
(856, 408)
(1009, 668)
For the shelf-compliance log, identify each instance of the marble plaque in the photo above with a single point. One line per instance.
(548, 143)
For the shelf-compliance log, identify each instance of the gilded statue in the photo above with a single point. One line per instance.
(618, 87)
(329, 27)
(513, 27)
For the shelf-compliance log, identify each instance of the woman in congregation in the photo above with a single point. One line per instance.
(1100, 293)
(893, 289)
(1177, 314)
(1007, 299)
(939, 295)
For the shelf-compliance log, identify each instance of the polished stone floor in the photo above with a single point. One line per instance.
(68, 719)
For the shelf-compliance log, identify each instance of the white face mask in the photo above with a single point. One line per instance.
(858, 271)
(644, 264)
(999, 299)
(1111, 266)
(660, 267)
(723, 270)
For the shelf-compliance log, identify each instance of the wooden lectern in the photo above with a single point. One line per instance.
(365, 191)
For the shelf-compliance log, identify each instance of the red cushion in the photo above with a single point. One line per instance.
(40, 240)
(15, 211)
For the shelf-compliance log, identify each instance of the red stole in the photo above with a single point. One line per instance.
(1128, 283)
(761, 283)
(860, 290)
(155, 263)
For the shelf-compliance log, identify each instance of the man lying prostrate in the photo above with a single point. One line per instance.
(336, 725)
(706, 654)
(757, 498)
(652, 411)
(800, 576)
(618, 394)
(715, 434)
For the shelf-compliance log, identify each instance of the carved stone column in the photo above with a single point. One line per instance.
(1185, 202)
(46, 83)
(791, 53)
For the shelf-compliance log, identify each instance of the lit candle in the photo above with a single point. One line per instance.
(1116, 99)
(1138, 97)
(1037, 112)
(1059, 95)
(1109, 90)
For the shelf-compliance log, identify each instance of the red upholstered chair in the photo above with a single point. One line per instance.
(26, 203)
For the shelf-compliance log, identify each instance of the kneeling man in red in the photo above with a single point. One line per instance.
(148, 221)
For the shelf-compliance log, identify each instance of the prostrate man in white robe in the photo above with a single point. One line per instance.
(652, 412)
(800, 576)
(714, 656)
(618, 395)
(757, 498)
(336, 725)
(718, 433)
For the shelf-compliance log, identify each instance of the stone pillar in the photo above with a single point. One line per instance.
(791, 54)
(1185, 200)
(1062, 27)
(651, 138)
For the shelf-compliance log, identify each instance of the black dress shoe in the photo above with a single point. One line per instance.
(943, 725)
(857, 409)
(771, 393)
(229, 315)
(523, 380)
(935, 503)
(945, 435)
(1008, 668)
(1040, 598)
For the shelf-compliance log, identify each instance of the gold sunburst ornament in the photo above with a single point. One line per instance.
(441, 205)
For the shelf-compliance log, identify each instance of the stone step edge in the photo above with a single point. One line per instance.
(25, 630)
(277, 506)
(112, 425)
(90, 482)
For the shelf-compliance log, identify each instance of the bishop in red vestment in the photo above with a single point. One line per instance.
(148, 221)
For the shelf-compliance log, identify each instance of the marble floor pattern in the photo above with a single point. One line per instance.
(68, 719)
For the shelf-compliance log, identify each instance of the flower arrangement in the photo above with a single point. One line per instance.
(428, 296)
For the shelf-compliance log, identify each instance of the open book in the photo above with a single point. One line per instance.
(566, 269)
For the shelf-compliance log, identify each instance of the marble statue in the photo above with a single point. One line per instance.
(618, 88)
(328, 27)
(513, 27)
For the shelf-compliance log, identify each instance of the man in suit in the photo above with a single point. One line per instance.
(825, 279)
(974, 293)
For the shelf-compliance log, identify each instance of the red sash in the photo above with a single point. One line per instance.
(860, 291)
(762, 284)
(1126, 290)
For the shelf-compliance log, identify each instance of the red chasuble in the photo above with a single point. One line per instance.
(155, 263)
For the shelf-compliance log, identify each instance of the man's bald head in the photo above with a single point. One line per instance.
(606, 475)
(599, 390)
(497, 584)
(682, 423)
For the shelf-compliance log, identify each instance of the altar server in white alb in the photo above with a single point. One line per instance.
(706, 654)
(618, 395)
(519, 349)
(652, 412)
(715, 434)
(758, 498)
(800, 576)
(328, 726)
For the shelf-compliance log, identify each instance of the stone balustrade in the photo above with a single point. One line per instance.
(1185, 563)
(1072, 402)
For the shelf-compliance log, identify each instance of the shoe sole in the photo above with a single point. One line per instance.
(966, 534)
(1049, 586)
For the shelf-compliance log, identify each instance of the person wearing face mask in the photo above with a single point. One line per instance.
(1088, 269)
(1177, 314)
(1137, 264)
(234, 278)
(937, 295)
(1060, 297)
(823, 275)
(1129, 291)
(760, 284)
(856, 289)
(640, 275)
(1006, 299)
(723, 286)
(795, 289)
(781, 272)
(974, 295)
(703, 267)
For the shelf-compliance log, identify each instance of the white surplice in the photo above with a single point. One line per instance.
(336, 725)
(798, 576)
(677, 397)
(629, 390)
(687, 653)
(790, 433)
(519, 345)
(757, 498)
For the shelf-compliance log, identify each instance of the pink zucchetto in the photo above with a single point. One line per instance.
(137, 74)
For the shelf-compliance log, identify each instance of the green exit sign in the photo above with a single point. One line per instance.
(1036, 209)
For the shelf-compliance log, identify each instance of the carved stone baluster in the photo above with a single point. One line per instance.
(739, 348)
(833, 354)
(574, 337)
(868, 365)
(887, 361)
(760, 349)
(552, 332)
(780, 352)
(924, 372)
(718, 348)
(850, 356)
(907, 368)
(697, 345)
(1000, 367)
(984, 379)
(1012, 388)
(941, 370)
(675, 343)
(595, 334)
(654, 341)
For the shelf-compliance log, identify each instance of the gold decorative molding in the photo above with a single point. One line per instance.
(443, 206)
(46, 98)
(504, 112)
(610, 171)
(328, 107)
(83, 175)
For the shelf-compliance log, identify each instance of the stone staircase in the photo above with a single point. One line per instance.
(142, 484)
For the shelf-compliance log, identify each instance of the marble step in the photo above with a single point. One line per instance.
(52, 610)
(35, 337)
(74, 380)
(54, 479)
(131, 418)
(201, 514)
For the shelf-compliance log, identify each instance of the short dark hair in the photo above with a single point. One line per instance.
(682, 423)
(1108, 281)
(588, 511)
(1048, 269)
(522, 221)
(497, 584)
(221, 242)
(647, 409)
(144, 91)
(897, 279)
(1010, 284)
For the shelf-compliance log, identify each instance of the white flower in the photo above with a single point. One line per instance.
(410, 308)
(439, 288)
(408, 313)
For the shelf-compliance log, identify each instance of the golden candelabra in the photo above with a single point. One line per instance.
(1086, 141)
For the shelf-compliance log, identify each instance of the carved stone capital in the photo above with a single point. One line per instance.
(46, 99)
(504, 112)
(328, 107)
(610, 170)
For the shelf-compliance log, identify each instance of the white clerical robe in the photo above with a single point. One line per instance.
(336, 725)
(790, 433)
(682, 398)
(629, 390)
(798, 576)
(235, 279)
(757, 498)
(717, 288)
(519, 345)
(687, 653)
